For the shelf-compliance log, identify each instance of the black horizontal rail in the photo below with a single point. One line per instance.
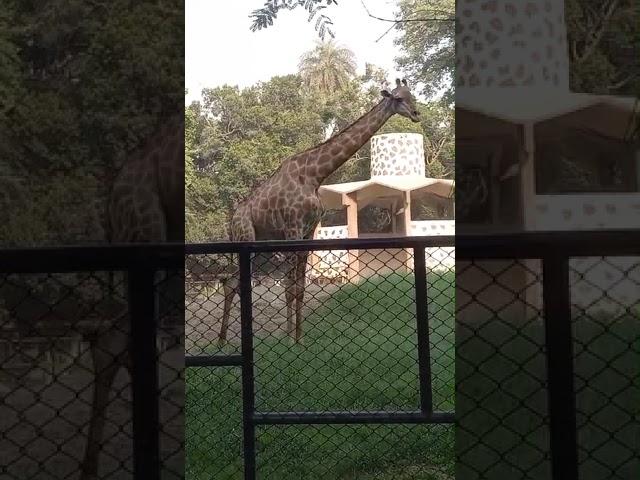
(232, 360)
(509, 245)
(373, 417)
(171, 255)
(92, 258)
(329, 244)
(534, 245)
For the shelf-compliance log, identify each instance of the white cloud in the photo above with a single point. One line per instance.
(220, 48)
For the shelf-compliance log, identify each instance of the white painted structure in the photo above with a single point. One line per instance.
(440, 258)
(397, 167)
(397, 176)
(330, 264)
(397, 155)
(587, 211)
(512, 98)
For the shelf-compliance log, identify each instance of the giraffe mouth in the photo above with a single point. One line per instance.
(415, 117)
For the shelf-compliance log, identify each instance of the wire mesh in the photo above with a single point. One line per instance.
(502, 391)
(64, 379)
(358, 353)
(606, 307)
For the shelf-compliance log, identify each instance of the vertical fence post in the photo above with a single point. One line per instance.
(422, 329)
(248, 387)
(142, 303)
(559, 344)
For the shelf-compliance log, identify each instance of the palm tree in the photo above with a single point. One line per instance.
(328, 67)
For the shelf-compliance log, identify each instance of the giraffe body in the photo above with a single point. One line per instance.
(146, 205)
(287, 205)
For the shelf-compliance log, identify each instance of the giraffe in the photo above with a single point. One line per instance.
(146, 204)
(287, 205)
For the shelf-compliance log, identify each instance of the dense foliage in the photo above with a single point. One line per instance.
(428, 47)
(81, 83)
(604, 46)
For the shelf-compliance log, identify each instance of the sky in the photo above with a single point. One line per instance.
(220, 49)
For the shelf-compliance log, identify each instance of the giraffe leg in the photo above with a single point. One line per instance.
(230, 286)
(241, 230)
(301, 270)
(107, 352)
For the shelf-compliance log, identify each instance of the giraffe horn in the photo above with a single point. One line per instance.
(404, 82)
(397, 81)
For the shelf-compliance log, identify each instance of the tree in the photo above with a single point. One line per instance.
(236, 139)
(603, 40)
(428, 47)
(327, 68)
(69, 115)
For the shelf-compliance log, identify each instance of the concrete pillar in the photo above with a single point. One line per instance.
(528, 178)
(351, 204)
(406, 216)
(528, 201)
(394, 222)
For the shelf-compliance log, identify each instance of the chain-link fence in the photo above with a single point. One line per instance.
(547, 357)
(359, 385)
(70, 408)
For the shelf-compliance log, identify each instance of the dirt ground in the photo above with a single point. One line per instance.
(204, 313)
(44, 423)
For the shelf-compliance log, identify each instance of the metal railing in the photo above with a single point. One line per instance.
(141, 263)
(554, 251)
(547, 260)
(252, 417)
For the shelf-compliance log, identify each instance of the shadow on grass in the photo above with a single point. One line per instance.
(359, 354)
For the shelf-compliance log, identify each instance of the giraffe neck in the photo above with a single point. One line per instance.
(330, 155)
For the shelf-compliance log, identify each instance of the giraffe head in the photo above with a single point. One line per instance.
(402, 101)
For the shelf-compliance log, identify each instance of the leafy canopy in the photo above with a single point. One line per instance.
(427, 47)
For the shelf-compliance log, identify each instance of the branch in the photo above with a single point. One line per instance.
(264, 17)
(632, 131)
(385, 33)
(622, 82)
(408, 20)
(608, 11)
(574, 50)
(436, 150)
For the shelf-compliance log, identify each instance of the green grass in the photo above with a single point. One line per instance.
(359, 353)
(502, 398)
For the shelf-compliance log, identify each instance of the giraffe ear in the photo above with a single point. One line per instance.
(386, 94)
